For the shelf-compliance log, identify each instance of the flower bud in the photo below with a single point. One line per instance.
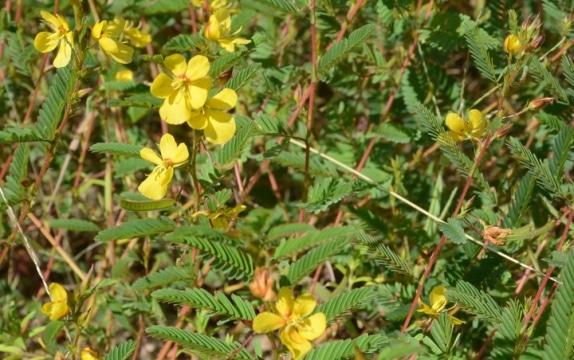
(262, 285)
(538, 103)
(512, 44)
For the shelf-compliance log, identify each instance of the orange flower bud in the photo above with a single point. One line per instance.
(512, 44)
(262, 285)
(538, 103)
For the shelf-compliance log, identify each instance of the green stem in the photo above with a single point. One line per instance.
(196, 142)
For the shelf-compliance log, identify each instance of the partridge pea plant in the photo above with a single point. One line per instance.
(286, 179)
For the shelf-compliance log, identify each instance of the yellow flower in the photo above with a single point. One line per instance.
(172, 155)
(124, 75)
(219, 29)
(61, 36)
(512, 44)
(438, 302)
(217, 125)
(297, 328)
(137, 38)
(185, 90)
(460, 129)
(108, 34)
(58, 307)
(88, 354)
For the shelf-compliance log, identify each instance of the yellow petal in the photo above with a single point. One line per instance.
(476, 119)
(297, 344)
(304, 305)
(285, 301)
(199, 89)
(155, 186)
(50, 19)
(197, 121)
(161, 86)
(59, 310)
(212, 29)
(197, 68)
(98, 29)
(167, 145)
(175, 64)
(64, 54)
(455, 321)
(266, 322)
(180, 156)
(120, 52)
(224, 19)
(227, 44)
(47, 309)
(175, 109)
(226, 99)
(88, 354)
(124, 75)
(455, 123)
(313, 327)
(58, 293)
(220, 223)
(220, 127)
(43, 43)
(438, 298)
(150, 155)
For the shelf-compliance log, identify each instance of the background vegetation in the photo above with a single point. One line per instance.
(341, 180)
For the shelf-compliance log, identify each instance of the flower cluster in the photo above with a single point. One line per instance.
(185, 90)
(438, 302)
(293, 317)
(461, 129)
(108, 34)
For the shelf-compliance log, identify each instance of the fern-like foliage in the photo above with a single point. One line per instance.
(122, 351)
(560, 333)
(281, 5)
(561, 148)
(343, 48)
(117, 149)
(243, 76)
(330, 191)
(52, 110)
(74, 225)
(297, 160)
(568, 69)
(508, 339)
(310, 261)
(234, 309)
(13, 134)
(541, 170)
(20, 55)
(442, 335)
(185, 42)
(162, 277)
(385, 255)
(16, 174)
(136, 228)
(477, 44)
(430, 123)
(223, 63)
(474, 301)
(345, 302)
(304, 243)
(520, 201)
(234, 263)
(287, 230)
(199, 344)
(543, 75)
(345, 349)
(145, 101)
